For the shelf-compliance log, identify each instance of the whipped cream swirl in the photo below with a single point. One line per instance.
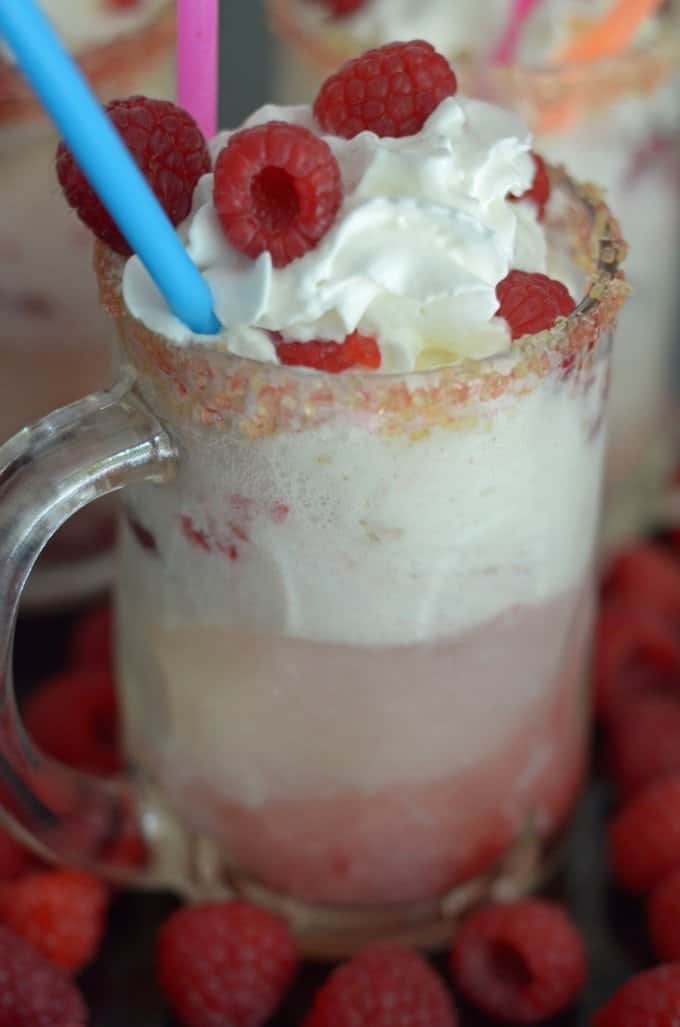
(423, 236)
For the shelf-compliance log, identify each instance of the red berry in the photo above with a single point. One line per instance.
(356, 351)
(644, 740)
(224, 964)
(520, 962)
(383, 986)
(644, 838)
(539, 192)
(74, 718)
(277, 189)
(33, 992)
(650, 999)
(531, 302)
(91, 642)
(649, 576)
(390, 91)
(663, 918)
(341, 8)
(13, 856)
(166, 143)
(60, 912)
(635, 650)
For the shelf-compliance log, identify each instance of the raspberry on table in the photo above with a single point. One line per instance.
(663, 918)
(649, 999)
(383, 986)
(62, 913)
(648, 575)
(521, 962)
(333, 357)
(539, 191)
(635, 651)
(643, 740)
(531, 302)
(390, 91)
(224, 964)
(277, 189)
(73, 718)
(91, 642)
(34, 992)
(170, 150)
(644, 837)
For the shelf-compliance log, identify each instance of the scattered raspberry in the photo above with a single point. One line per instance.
(74, 718)
(224, 964)
(635, 650)
(539, 193)
(60, 912)
(644, 838)
(356, 351)
(14, 857)
(390, 91)
(166, 143)
(520, 962)
(647, 575)
(663, 918)
(643, 737)
(33, 992)
(383, 986)
(531, 302)
(650, 999)
(341, 8)
(277, 188)
(91, 643)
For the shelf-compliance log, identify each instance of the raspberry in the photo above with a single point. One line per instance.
(635, 650)
(60, 912)
(224, 964)
(520, 962)
(663, 918)
(74, 718)
(277, 189)
(356, 351)
(390, 91)
(649, 576)
(644, 838)
(650, 999)
(33, 992)
(644, 740)
(166, 143)
(91, 642)
(383, 986)
(13, 856)
(531, 302)
(341, 8)
(539, 192)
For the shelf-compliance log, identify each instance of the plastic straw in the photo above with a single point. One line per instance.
(612, 34)
(504, 51)
(106, 162)
(197, 61)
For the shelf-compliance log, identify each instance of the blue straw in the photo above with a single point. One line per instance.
(106, 162)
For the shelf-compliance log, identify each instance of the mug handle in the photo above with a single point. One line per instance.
(47, 472)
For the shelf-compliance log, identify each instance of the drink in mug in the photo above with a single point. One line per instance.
(353, 623)
(55, 345)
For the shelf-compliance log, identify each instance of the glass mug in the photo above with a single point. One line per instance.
(353, 616)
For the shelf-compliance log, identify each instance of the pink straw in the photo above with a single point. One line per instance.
(197, 61)
(504, 51)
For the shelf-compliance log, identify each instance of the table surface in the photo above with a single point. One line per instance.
(120, 985)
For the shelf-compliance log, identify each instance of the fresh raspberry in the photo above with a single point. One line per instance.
(520, 962)
(14, 858)
(356, 351)
(649, 576)
(224, 964)
(663, 918)
(383, 986)
(390, 91)
(166, 143)
(635, 650)
(644, 838)
(539, 192)
(91, 642)
(650, 999)
(341, 8)
(277, 189)
(531, 302)
(60, 912)
(643, 739)
(73, 717)
(34, 992)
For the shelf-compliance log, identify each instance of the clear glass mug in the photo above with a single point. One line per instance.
(353, 616)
